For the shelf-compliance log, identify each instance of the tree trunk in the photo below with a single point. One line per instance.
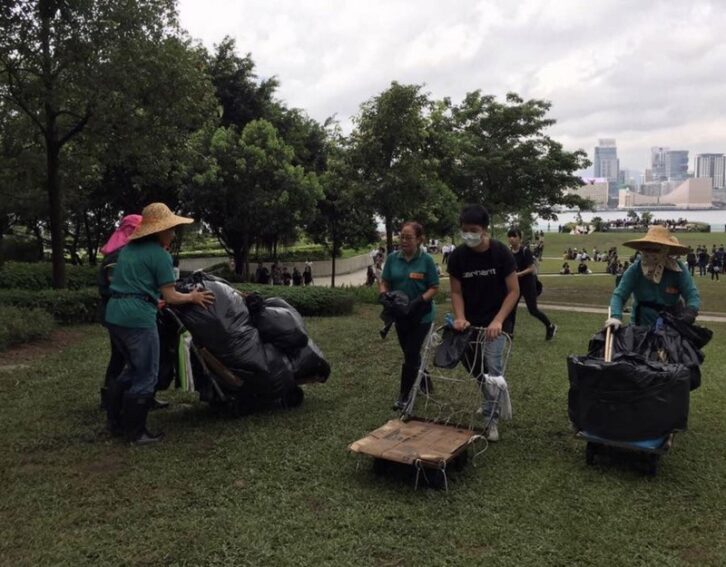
(389, 235)
(239, 260)
(90, 248)
(332, 265)
(55, 200)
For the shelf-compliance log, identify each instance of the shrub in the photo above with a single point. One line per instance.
(20, 249)
(23, 325)
(309, 301)
(68, 307)
(37, 276)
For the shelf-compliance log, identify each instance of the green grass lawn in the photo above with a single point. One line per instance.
(279, 488)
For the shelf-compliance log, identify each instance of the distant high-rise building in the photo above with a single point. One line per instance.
(676, 165)
(606, 163)
(658, 163)
(713, 166)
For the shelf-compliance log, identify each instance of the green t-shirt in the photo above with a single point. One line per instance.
(412, 278)
(142, 270)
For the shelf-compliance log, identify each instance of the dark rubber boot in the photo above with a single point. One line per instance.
(114, 408)
(136, 409)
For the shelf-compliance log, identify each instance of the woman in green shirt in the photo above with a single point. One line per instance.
(143, 274)
(656, 280)
(412, 271)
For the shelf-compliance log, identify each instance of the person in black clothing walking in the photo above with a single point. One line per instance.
(527, 282)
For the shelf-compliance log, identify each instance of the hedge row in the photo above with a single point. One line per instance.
(38, 276)
(23, 325)
(72, 307)
(66, 306)
(309, 301)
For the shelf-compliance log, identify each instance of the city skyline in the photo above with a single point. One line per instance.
(646, 73)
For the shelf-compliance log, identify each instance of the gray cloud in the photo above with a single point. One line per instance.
(646, 73)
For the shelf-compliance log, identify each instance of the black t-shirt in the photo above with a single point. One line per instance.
(482, 276)
(524, 259)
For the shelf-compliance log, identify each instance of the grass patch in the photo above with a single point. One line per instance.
(278, 488)
(23, 325)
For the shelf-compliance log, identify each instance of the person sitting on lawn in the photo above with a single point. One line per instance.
(656, 280)
(484, 291)
(582, 268)
(565, 271)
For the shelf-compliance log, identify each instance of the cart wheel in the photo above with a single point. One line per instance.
(243, 405)
(435, 478)
(460, 461)
(293, 398)
(653, 460)
(380, 466)
(590, 451)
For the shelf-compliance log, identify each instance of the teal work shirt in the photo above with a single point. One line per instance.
(142, 269)
(672, 286)
(412, 277)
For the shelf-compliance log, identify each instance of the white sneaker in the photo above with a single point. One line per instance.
(492, 433)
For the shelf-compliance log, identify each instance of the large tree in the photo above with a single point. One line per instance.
(61, 61)
(344, 216)
(505, 160)
(248, 186)
(390, 153)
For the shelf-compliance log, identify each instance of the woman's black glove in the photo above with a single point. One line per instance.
(418, 308)
(688, 315)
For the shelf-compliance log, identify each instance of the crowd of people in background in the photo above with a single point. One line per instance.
(277, 275)
(707, 262)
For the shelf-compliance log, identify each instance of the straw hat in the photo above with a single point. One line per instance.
(157, 217)
(661, 236)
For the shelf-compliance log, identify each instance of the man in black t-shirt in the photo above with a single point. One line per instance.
(484, 290)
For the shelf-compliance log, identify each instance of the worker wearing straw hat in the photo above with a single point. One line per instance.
(656, 280)
(143, 274)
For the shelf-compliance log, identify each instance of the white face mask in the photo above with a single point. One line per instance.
(471, 239)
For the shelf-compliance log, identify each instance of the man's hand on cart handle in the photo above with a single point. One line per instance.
(613, 322)
(461, 325)
(494, 329)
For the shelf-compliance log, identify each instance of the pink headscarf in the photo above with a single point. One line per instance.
(120, 237)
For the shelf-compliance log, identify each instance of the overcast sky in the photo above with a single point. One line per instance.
(645, 72)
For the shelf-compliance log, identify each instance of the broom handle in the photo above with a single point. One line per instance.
(608, 355)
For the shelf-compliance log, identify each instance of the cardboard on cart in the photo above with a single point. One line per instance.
(415, 440)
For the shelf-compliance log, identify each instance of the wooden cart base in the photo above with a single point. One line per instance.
(425, 445)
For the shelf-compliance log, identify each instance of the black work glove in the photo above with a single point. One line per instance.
(418, 308)
(688, 315)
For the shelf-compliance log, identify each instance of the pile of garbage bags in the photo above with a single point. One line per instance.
(644, 392)
(262, 341)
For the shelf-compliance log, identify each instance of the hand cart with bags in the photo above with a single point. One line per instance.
(445, 415)
(631, 393)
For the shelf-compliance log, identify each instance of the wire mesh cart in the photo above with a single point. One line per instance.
(444, 416)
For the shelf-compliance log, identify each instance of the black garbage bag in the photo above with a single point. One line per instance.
(395, 308)
(168, 349)
(629, 399)
(452, 348)
(309, 364)
(281, 378)
(674, 342)
(224, 328)
(278, 323)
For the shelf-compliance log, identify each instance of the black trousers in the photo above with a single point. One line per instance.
(115, 365)
(528, 290)
(411, 337)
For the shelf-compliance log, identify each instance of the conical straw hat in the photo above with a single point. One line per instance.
(157, 217)
(661, 236)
